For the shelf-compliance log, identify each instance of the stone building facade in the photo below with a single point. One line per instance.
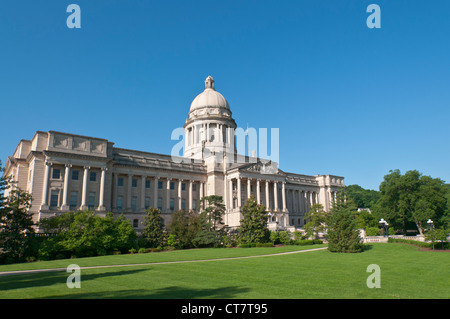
(66, 172)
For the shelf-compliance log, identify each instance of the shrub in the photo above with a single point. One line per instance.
(142, 251)
(285, 237)
(132, 251)
(372, 231)
(274, 237)
(264, 245)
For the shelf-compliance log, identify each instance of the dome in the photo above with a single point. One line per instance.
(209, 97)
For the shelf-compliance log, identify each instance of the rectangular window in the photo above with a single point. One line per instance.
(73, 200)
(147, 183)
(91, 200)
(172, 204)
(56, 173)
(194, 204)
(135, 223)
(160, 203)
(120, 181)
(119, 204)
(183, 204)
(54, 198)
(147, 202)
(172, 185)
(134, 182)
(160, 185)
(93, 176)
(75, 175)
(194, 187)
(133, 202)
(183, 186)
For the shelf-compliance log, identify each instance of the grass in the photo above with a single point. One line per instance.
(406, 272)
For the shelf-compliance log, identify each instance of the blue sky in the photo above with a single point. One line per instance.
(348, 100)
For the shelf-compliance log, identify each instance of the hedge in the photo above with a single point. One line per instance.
(437, 245)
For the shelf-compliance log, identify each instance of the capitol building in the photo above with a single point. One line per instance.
(67, 172)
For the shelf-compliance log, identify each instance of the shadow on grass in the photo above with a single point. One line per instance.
(173, 292)
(52, 278)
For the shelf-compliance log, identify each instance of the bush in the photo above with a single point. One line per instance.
(421, 244)
(132, 251)
(285, 237)
(264, 245)
(142, 251)
(372, 231)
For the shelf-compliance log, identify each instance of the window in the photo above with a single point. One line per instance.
(194, 187)
(172, 185)
(160, 203)
(119, 204)
(91, 200)
(194, 204)
(183, 186)
(93, 176)
(147, 183)
(54, 198)
(120, 181)
(172, 204)
(133, 202)
(135, 223)
(134, 182)
(56, 173)
(183, 204)
(73, 200)
(159, 184)
(75, 175)
(147, 202)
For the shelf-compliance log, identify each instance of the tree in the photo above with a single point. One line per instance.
(317, 220)
(436, 235)
(364, 198)
(211, 222)
(342, 235)
(185, 226)
(411, 198)
(16, 226)
(253, 227)
(153, 233)
(83, 234)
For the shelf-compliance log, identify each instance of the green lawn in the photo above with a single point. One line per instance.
(406, 272)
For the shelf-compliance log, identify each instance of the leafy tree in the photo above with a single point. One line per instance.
(212, 227)
(411, 197)
(153, 233)
(342, 235)
(364, 198)
(317, 220)
(185, 226)
(436, 235)
(16, 226)
(253, 227)
(88, 235)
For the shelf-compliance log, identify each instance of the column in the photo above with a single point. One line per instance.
(115, 182)
(283, 196)
(201, 196)
(179, 193)
(249, 188)
(190, 194)
(101, 201)
(84, 191)
(143, 179)
(275, 196)
(130, 179)
(65, 199)
(44, 204)
(267, 195)
(168, 195)
(258, 191)
(231, 200)
(238, 180)
(155, 192)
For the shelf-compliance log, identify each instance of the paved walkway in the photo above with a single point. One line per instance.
(22, 272)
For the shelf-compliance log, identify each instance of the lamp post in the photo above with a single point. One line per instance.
(383, 224)
(430, 223)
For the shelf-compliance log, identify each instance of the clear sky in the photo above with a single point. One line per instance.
(348, 100)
